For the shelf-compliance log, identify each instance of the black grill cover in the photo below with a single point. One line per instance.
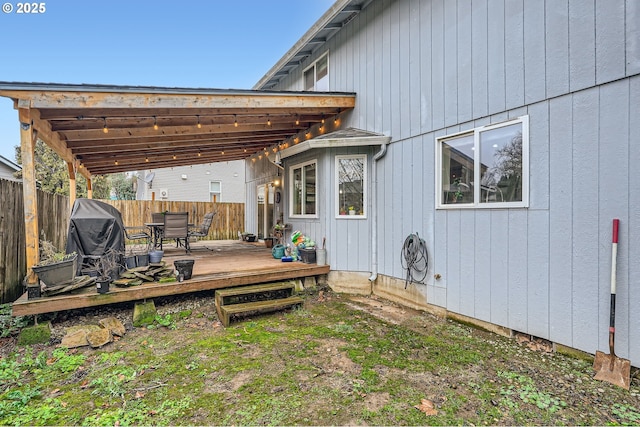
(94, 228)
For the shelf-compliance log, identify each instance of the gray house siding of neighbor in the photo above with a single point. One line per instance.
(513, 143)
(7, 169)
(224, 181)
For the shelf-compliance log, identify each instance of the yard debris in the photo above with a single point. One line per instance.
(78, 282)
(154, 272)
(427, 407)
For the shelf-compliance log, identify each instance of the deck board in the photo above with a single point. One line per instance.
(226, 263)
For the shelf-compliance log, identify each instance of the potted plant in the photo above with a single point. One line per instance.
(352, 210)
(108, 270)
(54, 268)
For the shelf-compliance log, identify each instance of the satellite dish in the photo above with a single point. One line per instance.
(149, 178)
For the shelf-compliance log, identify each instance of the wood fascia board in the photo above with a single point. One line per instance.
(57, 99)
(334, 143)
(52, 139)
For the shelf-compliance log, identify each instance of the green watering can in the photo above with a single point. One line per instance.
(277, 251)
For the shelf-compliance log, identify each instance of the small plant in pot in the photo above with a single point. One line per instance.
(54, 268)
(109, 269)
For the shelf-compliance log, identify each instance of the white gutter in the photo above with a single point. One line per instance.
(374, 212)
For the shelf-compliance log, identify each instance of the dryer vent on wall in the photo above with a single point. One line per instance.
(164, 193)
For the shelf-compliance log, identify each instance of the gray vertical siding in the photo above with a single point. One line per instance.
(423, 69)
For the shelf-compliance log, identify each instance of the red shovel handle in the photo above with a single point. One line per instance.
(616, 225)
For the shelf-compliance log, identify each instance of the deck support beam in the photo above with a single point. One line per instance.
(28, 139)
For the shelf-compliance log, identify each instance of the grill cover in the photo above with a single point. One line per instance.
(94, 228)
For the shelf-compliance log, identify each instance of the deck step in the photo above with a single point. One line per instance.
(226, 311)
(254, 298)
(261, 292)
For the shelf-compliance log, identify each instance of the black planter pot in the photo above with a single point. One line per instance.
(130, 261)
(142, 260)
(184, 267)
(102, 284)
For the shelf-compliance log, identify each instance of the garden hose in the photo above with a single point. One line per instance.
(414, 259)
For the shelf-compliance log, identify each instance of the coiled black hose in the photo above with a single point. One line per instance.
(414, 259)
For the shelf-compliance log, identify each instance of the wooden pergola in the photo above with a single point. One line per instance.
(100, 129)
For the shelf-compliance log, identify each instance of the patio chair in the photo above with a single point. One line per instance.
(203, 229)
(135, 233)
(176, 226)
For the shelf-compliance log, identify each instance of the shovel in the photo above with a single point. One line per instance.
(610, 367)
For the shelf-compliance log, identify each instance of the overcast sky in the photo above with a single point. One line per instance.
(199, 43)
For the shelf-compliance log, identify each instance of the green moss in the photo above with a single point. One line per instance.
(36, 334)
(144, 314)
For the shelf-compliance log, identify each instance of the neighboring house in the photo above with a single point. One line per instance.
(8, 168)
(215, 182)
(513, 136)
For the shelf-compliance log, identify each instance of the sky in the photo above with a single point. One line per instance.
(225, 44)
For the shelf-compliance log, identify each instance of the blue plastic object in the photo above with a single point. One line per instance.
(287, 259)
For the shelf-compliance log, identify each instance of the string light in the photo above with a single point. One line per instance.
(174, 157)
(155, 123)
(222, 152)
(245, 150)
(199, 124)
(268, 121)
(322, 118)
(199, 154)
(146, 159)
(116, 162)
(297, 120)
(235, 120)
(105, 129)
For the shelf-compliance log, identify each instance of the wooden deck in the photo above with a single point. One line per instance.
(218, 264)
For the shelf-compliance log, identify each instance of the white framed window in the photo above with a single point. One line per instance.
(351, 186)
(316, 76)
(303, 180)
(495, 156)
(215, 191)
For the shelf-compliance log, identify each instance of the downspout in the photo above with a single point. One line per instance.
(374, 213)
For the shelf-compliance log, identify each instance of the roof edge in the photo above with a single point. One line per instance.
(330, 14)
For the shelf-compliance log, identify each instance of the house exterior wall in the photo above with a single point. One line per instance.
(195, 185)
(7, 169)
(424, 69)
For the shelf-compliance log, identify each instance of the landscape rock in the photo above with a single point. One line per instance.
(76, 338)
(114, 325)
(99, 338)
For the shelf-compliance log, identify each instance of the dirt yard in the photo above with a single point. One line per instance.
(340, 360)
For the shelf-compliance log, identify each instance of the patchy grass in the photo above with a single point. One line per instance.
(330, 363)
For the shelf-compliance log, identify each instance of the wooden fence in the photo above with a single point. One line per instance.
(228, 219)
(53, 223)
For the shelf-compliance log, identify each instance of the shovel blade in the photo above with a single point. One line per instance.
(612, 369)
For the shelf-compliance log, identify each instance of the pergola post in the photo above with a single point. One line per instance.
(89, 189)
(72, 184)
(27, 146)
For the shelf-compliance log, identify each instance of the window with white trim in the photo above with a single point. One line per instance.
(303, 190)
(495, 156)
(215, 191)
(316, 76)
(351, 183)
